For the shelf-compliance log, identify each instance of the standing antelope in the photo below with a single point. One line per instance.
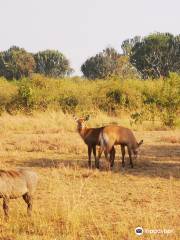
(91, 139)
(117, 135)
(17, 183)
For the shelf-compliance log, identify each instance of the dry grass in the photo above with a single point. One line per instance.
(171, 139)
(73, 202)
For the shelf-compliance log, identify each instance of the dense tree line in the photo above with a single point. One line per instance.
(16, 63)
(153, 56)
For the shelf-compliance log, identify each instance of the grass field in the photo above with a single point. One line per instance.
(73, 202)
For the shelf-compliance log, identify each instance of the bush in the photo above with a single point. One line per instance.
(115, 99)
(7, 92)
(69, 104)
(152, 100)
(169, 101)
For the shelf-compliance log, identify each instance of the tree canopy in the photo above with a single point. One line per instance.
(156, 55)
(128, 44)
(102, 65)
(16, 63)
(52, 63)
(108, 63)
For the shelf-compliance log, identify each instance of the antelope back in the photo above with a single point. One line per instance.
(15, 183)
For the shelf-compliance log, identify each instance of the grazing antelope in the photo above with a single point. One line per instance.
(17, 183)
(117, 135)
(91, 139)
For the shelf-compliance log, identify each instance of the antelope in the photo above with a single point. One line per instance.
(91, 139)
(117, 135)
(17, 183)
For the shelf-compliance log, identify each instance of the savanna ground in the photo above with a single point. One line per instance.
(73, 202)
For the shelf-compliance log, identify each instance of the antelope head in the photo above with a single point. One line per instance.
(81, 122)
(136, 150)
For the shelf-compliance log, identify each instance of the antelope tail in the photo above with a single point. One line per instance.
(103, 140)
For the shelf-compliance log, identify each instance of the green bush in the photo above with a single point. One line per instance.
(152, 100)
(115, 99)
(169, 100)
(69, 104)
(7, 92)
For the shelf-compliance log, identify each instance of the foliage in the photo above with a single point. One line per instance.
(52, 63)
(7, 92)
(23, 100)
(125, 69)
(115, 98)
(152, 100)
(128, 44)
(16, 63)
(108, 63)
(169, 101)
(162, 101)
(102, 65)
(137, 118)
(156, 55)
(69, 103)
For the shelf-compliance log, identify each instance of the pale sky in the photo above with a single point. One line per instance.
(82, 28)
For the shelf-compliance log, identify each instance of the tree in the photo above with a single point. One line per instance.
(125, 69)
(52, 63)
(112, 53)
(102, 65)
(128, 44)
(156, 55)
(16, 63)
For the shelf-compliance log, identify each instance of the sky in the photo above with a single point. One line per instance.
(81, 28)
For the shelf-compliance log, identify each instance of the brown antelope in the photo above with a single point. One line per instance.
(17, 183)
(117, 135)
(91, 139)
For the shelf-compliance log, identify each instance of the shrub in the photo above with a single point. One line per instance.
(115, 99)
(69, 104)
(7, 92)
(144, 100)
(169, 100)
(137, 118)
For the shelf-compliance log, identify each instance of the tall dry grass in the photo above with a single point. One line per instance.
(72, 202)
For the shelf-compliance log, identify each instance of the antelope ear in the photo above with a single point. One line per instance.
(75, 118)
(87, 118)
(141, 142)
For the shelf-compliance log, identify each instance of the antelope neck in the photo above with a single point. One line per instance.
(82, 131)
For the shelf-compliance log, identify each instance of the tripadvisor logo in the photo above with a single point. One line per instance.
(139, 231)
